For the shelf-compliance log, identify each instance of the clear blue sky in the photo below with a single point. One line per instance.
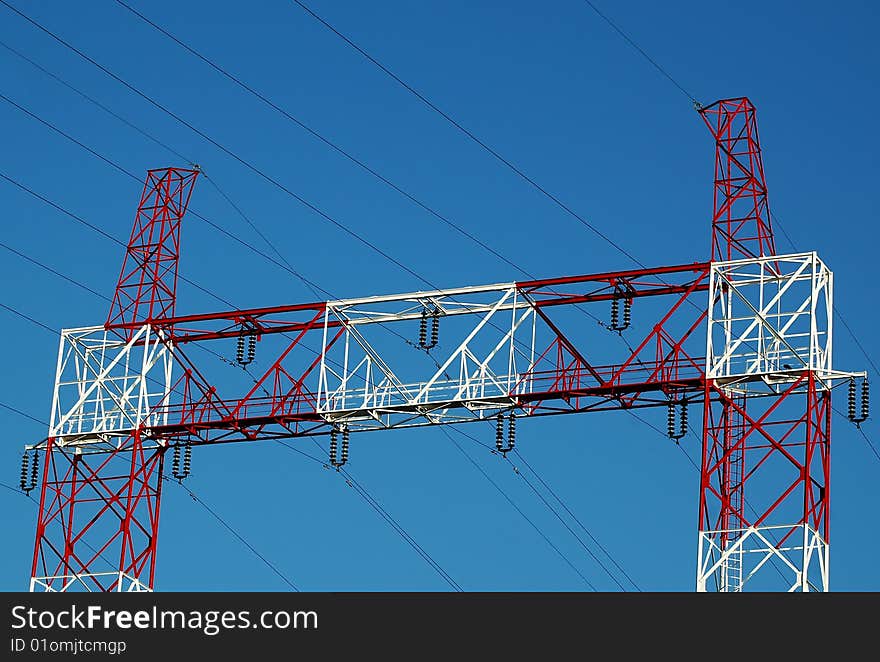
(551, 87)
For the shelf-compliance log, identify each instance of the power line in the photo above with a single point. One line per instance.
(370, 500)
(235, 533)
(632, 43)
(869, 442)
(316, 289)
(364, 494)
(401, 531)
(857, 341)
(334, 146)
(247, 164)
(303, 453)
(28, 318)
(350, 481)
(97, 103)
(565, 524)
(519, 510)
(98, 230)
(556, 513)
(19, 411)
(53, 271)
(131, 175)
(861, 432)
(467, 132)
(575, 518)
(16, 490)
(286, 265)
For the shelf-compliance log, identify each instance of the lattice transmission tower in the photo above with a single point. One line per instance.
(746, 336)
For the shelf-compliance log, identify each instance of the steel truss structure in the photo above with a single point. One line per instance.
(747, 335)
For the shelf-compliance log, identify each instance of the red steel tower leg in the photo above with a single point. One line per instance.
(781, 448)
(98, 518)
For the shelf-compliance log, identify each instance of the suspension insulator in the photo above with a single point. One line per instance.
(615, 317)
(435, 330)
(35, 470)
(499, 432)
(511, 431)
(239, 350)
(423, 329)
(683, 419)
(25, 466)
(243, 358)
(344, 458)
(627, 313)
(251, 348)
(864, 410)
(187, 460)
(175, 462)
(333, 448)
(851, 400)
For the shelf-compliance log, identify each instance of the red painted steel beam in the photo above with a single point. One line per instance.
(741, 225)
(147, 285)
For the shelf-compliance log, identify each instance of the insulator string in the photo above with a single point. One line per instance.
(337, 460)
(435, 330)
(499, 433)
(423, 329)
(35, 470)
(239, 350)
(252, 348)
(187, 460)
(864, 408)
(511, 431)
(615, 324)
(25, 466)
(674, 431)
